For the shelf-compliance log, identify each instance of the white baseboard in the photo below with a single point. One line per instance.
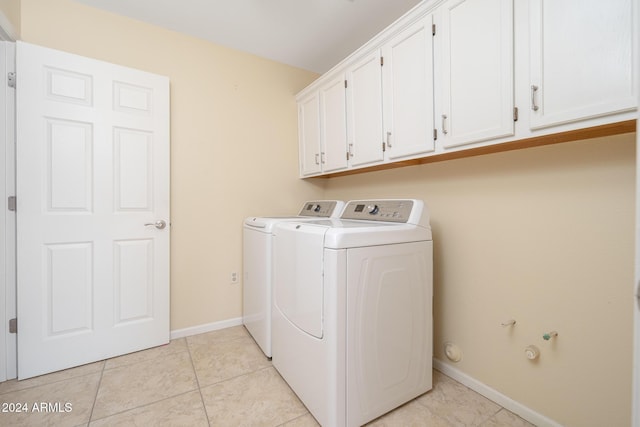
(208, 327)
(506, 402)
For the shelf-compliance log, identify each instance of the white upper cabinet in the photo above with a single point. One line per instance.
(364, 110)
(322, 128)
(407, 90)
(333, 114)
(565, 65)
(476, 85)
(581, 60)
(309, 134)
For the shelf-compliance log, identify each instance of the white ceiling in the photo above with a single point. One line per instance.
(311, 34)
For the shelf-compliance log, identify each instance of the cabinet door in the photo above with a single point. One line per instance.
(408, 90)
(477, 71)
(309, 134)
(333, 103)
(364, 110)
(581, 59)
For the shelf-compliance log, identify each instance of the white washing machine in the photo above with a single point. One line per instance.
(352, 318)
(257, 259)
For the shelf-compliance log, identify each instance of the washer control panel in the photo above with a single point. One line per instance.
(319, 208)
(379, 210)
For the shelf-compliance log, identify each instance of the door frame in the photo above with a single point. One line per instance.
(8, 341)
(635, 394)
(635, 397)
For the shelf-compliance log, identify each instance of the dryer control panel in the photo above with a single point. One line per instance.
(321, 208)
(381, 210)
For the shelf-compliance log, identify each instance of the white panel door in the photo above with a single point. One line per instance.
(408, 91)
(333, 103)
(92, 172)
(309, 134)
(581, 54)
(477, 71)
(364, 110)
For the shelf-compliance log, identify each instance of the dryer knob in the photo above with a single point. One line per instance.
(373, 209)
(316, 208)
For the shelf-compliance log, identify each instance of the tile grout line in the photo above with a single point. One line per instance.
(47, 383)
(149, 403)
(490, 417)
(195, 373)
(296, 418)
(95, 397)
(143, 406)
(240, 375)
(176, 351)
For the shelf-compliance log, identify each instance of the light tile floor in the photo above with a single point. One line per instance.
(219, 378)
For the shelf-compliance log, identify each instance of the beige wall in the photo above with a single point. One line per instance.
(543, 236)
(11, 10)
(233, 142)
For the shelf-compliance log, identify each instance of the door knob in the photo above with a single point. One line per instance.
(160, 224)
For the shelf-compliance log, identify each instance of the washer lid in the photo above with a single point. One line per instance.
(312, 210)
(266, 224)
(353, 234)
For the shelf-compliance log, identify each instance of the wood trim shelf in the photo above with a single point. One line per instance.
(611, 129)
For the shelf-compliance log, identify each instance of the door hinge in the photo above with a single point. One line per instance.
(347, 156)
(382, 61)
(345, 84)
(11, 79)
(384, 147)
(435, 134)
(11, 203)
(515, 114)
(433, 29)
(13, 326)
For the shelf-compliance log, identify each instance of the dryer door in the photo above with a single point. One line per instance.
(297, 274)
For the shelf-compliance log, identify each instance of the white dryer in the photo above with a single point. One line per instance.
(352, 317)
(257, 259)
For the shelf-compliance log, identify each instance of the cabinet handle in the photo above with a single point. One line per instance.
(389, 139)
(350, 150)
(322, 157)
(534, 89)
(444, 128)
(317, 159)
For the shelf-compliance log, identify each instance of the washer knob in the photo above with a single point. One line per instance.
(373, 209)
(316, 208)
